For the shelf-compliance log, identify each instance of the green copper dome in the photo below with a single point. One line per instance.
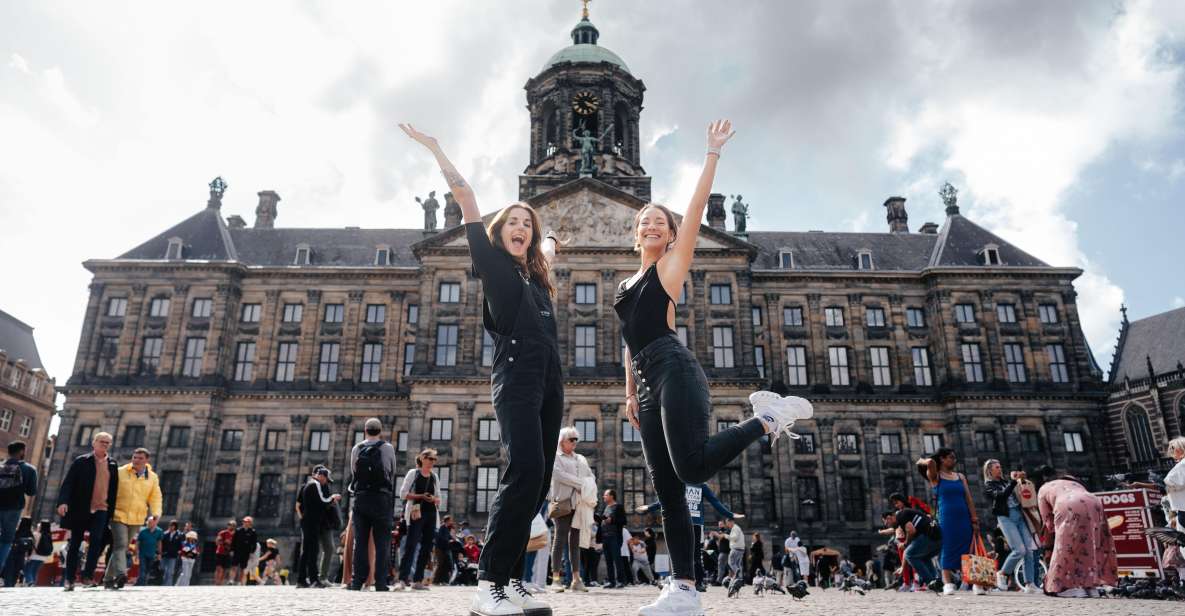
(585, 48)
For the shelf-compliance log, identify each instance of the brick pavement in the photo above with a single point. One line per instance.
(279, 601)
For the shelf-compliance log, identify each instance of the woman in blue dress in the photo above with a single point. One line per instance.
(956, 515)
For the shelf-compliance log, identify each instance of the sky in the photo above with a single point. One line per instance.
(1060, 122)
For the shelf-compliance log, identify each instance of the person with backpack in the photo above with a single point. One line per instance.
(18, 479)
(373, 484)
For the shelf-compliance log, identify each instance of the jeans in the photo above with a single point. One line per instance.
(186, 571)
(567, 539)
(31, 568)
(674, 408)
(736, 562)
(307, 572)
(328, 551)
(96, 526)
(145, 569)
(9, 519)
(372, 516)
(699, 553)
(638, 567)
(1017, 534)
(615, 572)
(419, 535)
(117, 563)
(920, 553)
(168, 565)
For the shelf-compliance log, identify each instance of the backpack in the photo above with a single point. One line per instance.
(369, 475)
(11, 477)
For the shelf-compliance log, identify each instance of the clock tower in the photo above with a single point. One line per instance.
(584, 108)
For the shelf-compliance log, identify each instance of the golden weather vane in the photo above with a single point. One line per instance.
(585, 13)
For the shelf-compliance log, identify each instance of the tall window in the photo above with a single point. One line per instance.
(630, 434)
(302, 255)
(972, 364)
(796, 365)
(133, 436)
(203, 307)
(874, 317)
(108, 350)
(150, 355)
(1139, 434)
(1031, 441)
(222, 503)
(851, 490)
(293, 313)
(487, 430)
(805, 443)
(633, 487)
(401, 441)
(879, 357)
(732, 490)
(838, 357)
(833, 316)
(159, 307)
(921, 366)
(445, 474)
(249, 313)
(915, 317)
(440, 430)
(1073, 442)
(328, 364)
(792, 316)
(807, 489)
(1006, 313)
(487, 349)
(170, 491)
(985, 440)
(376, 314)
(286, 362)
(195, 349)
(413, 314)
(446, 345)
(245, 361)
(890, 443)
(786, 259)
(895, 484)
(274, 440)
(759, 360)
(232, 440)
(587, 429)
(178, 437)
(382, 256)
(5, 420)
(117, 306)
(720, 294)
(372, 362)
(319, 440)
(487, 486)
(757, 322)
(681, 333)
(586, 346)
(964, 313)
(267, 503)
(1047, 313)
(1014, 361)
(586, 293)
(334, 313)
(409, 357)
(722, 346)
(847, 442)
(931, 443)
(865, 260)
(1058, 369)
(85, 435)
(450, 292)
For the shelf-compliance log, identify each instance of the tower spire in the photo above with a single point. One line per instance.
(584, 13)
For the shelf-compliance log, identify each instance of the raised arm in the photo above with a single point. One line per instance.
(461, 190)
(672, 267)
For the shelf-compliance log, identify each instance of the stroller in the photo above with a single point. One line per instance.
(466, 573)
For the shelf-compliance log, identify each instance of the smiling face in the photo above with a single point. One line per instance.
(654, 230)
(996, 471)
(517, 232)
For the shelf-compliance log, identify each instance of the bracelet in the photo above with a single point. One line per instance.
(715, 151)
(634, 396)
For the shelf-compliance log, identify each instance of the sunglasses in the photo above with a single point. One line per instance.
(573, 440)
(430, 459)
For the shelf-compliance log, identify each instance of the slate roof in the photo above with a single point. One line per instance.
(1160, 338)
(960, 241)
(16, 339)
(339, 247)
(205, 237)
(814, 250)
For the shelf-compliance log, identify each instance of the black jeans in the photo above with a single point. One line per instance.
(309, 571)
(615, 569)
(698, 530)
(419, 534)
(372, 515)
(96, 525)
(674, 408)
(528, 399)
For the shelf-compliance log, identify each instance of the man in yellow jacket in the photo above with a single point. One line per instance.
(138, 497)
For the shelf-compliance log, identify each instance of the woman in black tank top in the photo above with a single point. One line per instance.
(667, 396)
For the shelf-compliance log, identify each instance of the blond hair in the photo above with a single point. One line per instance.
(987, 469)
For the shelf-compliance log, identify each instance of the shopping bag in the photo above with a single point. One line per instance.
(978, 568)
(538, 539)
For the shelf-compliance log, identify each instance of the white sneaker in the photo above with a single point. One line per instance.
(778, 413)
(521, 597)
(1072, 593)
(1001, 580)
(1030, 588)
(493, 600)
(949, 589)
(978, 590)
(676, 598)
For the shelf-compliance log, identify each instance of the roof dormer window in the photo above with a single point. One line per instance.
(785, 259)
(173, 252)
(382, 255)
(864, 260)
(990, 255)
(303, 254)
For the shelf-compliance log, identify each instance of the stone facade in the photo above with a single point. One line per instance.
(26, 394)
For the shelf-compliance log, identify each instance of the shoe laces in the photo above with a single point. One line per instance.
(499, 592)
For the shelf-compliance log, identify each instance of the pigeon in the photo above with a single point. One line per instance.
(798, 591)
(735, 587)
(1167, 536)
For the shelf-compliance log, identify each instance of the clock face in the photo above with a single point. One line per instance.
(585, 103)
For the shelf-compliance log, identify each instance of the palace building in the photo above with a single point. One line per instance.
(243, 355)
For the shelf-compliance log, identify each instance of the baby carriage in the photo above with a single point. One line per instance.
(466, 574)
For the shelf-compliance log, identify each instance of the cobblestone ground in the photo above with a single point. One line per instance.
(279, 601)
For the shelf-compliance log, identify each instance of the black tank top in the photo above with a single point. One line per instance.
(642, 309)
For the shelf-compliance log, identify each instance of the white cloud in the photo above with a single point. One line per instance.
(1178, 302)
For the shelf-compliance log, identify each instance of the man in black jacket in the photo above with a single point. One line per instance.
(313, 509)
(614, 521)
(85, 501)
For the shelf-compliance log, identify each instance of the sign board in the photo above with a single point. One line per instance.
(1128, 516)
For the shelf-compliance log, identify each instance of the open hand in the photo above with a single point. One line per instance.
(426, 140)
(738, 516)
(719, 132)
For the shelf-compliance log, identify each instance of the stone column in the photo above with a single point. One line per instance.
(173, 353)
(462, 459)
(247, 481)
(858, 361)
(700, 339)
(154, 438)
(900, 353)
(816, 341)
(199, 478)
(610, 445)
(308, 353)
(611, 337)
(829, 470)
(87, 356)
(415, 428)
(775, 352)
(350, 357)
(270, 316)
(128, 346)
(296, 474)
(872, 468)
(391, 368)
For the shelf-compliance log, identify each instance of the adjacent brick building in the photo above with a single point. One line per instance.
(26, 393)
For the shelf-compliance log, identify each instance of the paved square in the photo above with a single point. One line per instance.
(278, 601)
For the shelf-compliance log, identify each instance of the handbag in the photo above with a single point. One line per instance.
(561, 508)
(538, 539)
(978, 568)
(415, 512)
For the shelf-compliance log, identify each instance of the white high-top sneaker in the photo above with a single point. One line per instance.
(779, 413)
(520, 596)
(676, 599)
(493, 600)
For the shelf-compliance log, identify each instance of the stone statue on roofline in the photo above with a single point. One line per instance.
(740, 213)
(430, 206)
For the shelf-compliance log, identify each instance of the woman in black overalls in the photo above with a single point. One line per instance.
(513, 262)
(667, 396)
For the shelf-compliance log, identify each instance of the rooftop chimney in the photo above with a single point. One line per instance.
(235, 221)
(265, 212)
(929, 227)
(716, 211)
(895, 215)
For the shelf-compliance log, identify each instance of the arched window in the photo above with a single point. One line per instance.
(621, 119)
(1139, 435)
(551, 128)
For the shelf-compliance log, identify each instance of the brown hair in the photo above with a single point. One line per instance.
(671, 222)
(427, 453)
(536, 264)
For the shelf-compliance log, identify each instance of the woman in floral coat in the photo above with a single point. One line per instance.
(1077, 539)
